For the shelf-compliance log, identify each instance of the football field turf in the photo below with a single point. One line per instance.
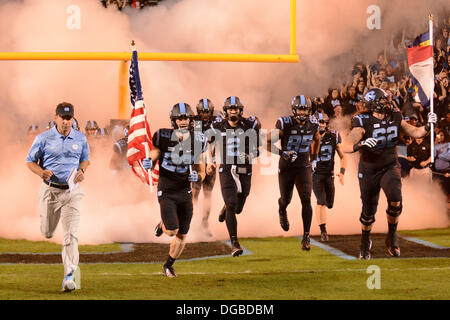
(275, 269)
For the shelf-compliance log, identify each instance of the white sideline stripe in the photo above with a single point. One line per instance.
(331, 250)
(424, 243)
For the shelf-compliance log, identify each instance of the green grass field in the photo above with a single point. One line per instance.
(277, 270)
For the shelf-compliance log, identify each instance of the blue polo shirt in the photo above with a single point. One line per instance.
(59, 154)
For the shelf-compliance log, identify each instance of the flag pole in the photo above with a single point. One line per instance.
(430, 21)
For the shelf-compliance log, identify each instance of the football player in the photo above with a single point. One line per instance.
(119, 159)
(180, 152)
(323, 175)
(236, 141)
(205, 117)
(375, 134)
(300, 143)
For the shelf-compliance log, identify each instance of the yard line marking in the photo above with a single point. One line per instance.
(424, 243)
(331, 250)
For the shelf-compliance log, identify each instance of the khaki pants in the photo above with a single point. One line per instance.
(55, 204)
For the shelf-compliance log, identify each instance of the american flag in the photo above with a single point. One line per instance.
(139, 136)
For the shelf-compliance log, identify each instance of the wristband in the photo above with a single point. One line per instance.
(314, 156)
(427, 127)
(342, 171)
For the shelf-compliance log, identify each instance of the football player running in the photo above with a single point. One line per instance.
(237, 143)
(323, 175)
(205, 117)
(177, 150)
(300, 143)
(375, 134)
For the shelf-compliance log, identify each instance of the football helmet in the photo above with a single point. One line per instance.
(377, 100)
(205, 105)
(233, 102)
(301, 102)
(91, 125)
(181, 110)
(322, 117)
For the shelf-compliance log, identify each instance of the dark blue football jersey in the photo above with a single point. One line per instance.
(176, 156)
(242, 139)
(297, 138)
(325, 158)
(386, 132)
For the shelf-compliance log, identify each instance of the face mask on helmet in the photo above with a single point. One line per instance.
(301, 103)
(377, 100)
(233, 103)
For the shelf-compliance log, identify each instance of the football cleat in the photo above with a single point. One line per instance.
(68, 283)
(236, 249)
(169, 271)
(284, 222)
(392, 245)
(306, 243)
(364, 253)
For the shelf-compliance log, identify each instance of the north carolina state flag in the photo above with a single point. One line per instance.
(420, 61)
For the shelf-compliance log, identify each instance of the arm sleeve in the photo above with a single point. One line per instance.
(155, 138)
(35, 152)
(85, 151)
(279, 125)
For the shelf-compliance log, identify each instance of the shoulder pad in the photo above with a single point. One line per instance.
(253, 122)
(286, 120)
(165, 133)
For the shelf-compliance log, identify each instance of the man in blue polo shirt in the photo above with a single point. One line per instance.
(53, 156)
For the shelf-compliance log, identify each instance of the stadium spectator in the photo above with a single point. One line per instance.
(402, 152)
(361, 89)
(441, 166)
(444, 124)
(331, 101)
(419, 157)
(349, 101)
(381, 63)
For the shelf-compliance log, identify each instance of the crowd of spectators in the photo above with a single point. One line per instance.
(390, 72)
(138, 4)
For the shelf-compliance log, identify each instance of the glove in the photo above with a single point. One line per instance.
(370, 143)
(432, 119)
(242, 157)
(289, 155)
(147, 163)
(193, 177)
(313, 165)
